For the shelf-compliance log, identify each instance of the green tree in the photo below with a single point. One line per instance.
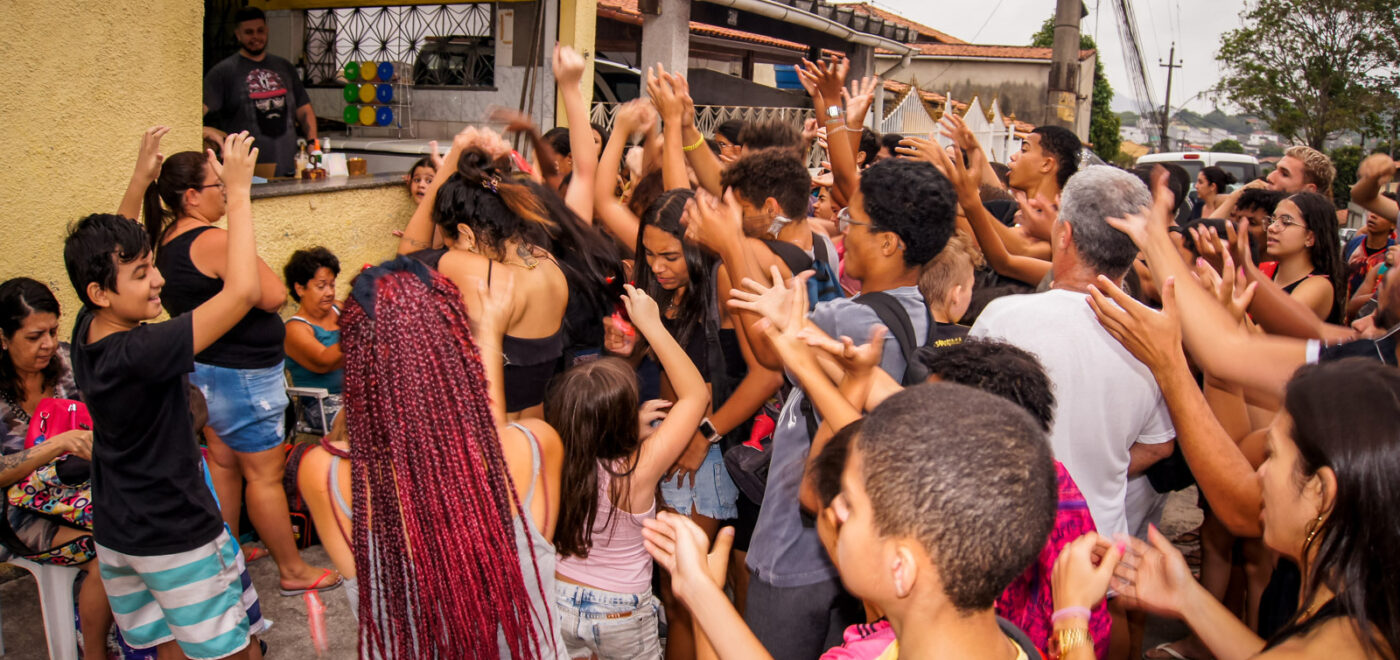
(1228, 146)
(1270, 150)
(1104, 125)
(1311, 68)
(1346, 160)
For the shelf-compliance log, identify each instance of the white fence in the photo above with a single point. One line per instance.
(707, 117)
(912, 116)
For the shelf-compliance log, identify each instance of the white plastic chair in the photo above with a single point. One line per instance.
(56, 603)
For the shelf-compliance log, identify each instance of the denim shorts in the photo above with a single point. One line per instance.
(714, 494)
(247, 407)
(607, 624)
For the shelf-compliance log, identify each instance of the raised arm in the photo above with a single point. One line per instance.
(148, 162)
(568, 72)
(633, 117)
(241, 287)
(488, 323)
(418, 235)
(1217, 343)
(826, 80)
(1373, 175)
(663, 96)
(1225, 475)
(702, 161)
(984, 227)
(692, 398)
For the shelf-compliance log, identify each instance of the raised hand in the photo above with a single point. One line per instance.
(663, 94)
(711, 222)
(1153, 337)
(859, 97)
(515, 120)
(1154, 576)
(643, 311)
(1379, 167)
(568, 66)
(651, 414)
(852, 359)
(435, 155)
(493, 314)
(682, 548)
(829, 78)
(774, 303)
(148, 157)
(1038, 214)
(619, 337)
(240, 157)
(633, 117)
(1084, 569)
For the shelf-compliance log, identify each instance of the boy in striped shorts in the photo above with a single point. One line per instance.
(171, 570)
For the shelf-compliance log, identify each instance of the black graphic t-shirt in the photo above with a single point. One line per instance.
(261, 98)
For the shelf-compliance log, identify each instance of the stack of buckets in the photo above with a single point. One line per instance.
(368, 93)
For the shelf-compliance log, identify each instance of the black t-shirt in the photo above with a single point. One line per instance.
(261, 98)
(1382, 349)
(148, 490)
(943, 334)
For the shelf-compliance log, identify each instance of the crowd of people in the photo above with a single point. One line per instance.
(916, 403)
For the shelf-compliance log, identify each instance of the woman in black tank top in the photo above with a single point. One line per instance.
(1302, 238)
(240, 374)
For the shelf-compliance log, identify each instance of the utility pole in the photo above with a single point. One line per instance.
(1171, 65)
(1062, 97)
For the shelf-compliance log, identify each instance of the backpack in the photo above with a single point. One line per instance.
(825, 284)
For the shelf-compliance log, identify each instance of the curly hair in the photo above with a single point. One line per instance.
(486, 199)
(303, 264)
(776, 173)
(915, 201)
(1062, 145)
(996, 367)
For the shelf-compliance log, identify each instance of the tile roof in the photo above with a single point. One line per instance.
(891, 17)
(987, 51)
(626, 11)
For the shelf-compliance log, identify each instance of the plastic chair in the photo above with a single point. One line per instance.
(296, 397)
(56, 603)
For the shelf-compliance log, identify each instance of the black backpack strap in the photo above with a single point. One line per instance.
(893, 316)
(819, 249)
(795, 258)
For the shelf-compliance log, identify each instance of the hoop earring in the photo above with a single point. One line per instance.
(1312, 530)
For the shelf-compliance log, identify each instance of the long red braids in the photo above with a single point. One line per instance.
(439, 571)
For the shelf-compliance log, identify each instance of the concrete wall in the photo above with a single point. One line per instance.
(83, 81)
(1019, 87)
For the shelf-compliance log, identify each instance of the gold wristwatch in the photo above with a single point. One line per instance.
(1068, 639)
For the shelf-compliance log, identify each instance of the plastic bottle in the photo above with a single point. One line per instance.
(302, 160)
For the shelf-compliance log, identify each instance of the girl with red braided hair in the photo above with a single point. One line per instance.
(611, 471)
(454, 506)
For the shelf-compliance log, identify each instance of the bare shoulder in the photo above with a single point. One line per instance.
(1336, 638)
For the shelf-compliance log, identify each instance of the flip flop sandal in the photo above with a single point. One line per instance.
(1167, 649)
(253, 554)
(315, 586)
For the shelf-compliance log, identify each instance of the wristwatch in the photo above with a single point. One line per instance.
(1069, 639)
(708, 430)
(833, 112)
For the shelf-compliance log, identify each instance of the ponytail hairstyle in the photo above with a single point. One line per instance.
(19, 298)
(1218, 177)
(481, 195)
(665, 214)
(593, 406)
(1320, 218)
(178, 173)
(427, 461)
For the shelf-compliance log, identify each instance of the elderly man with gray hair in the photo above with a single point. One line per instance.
(1110, 419)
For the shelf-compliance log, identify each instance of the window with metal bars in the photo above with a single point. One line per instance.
(441, 45)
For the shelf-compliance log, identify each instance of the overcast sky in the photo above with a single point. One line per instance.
(1195, 25)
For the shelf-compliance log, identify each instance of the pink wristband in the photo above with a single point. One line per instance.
(1069, 613)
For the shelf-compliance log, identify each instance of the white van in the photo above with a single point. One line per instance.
(1245, 168)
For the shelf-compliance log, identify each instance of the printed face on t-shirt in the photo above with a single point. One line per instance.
(268, 93)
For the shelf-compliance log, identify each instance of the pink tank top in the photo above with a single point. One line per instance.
(618, 561)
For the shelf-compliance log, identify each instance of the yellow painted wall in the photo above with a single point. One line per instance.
(354, 224)
(578, 27)
(81, 81)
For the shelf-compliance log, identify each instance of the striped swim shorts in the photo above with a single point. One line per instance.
(195, 598)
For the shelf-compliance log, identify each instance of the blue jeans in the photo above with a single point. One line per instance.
(608, 624)
(712, 495)
(247, 407)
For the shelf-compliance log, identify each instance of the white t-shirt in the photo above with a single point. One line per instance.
(1105, 399)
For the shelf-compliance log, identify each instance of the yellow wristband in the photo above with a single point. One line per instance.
(698, 143)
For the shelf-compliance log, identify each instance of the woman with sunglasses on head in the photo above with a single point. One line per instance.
(240, 374)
